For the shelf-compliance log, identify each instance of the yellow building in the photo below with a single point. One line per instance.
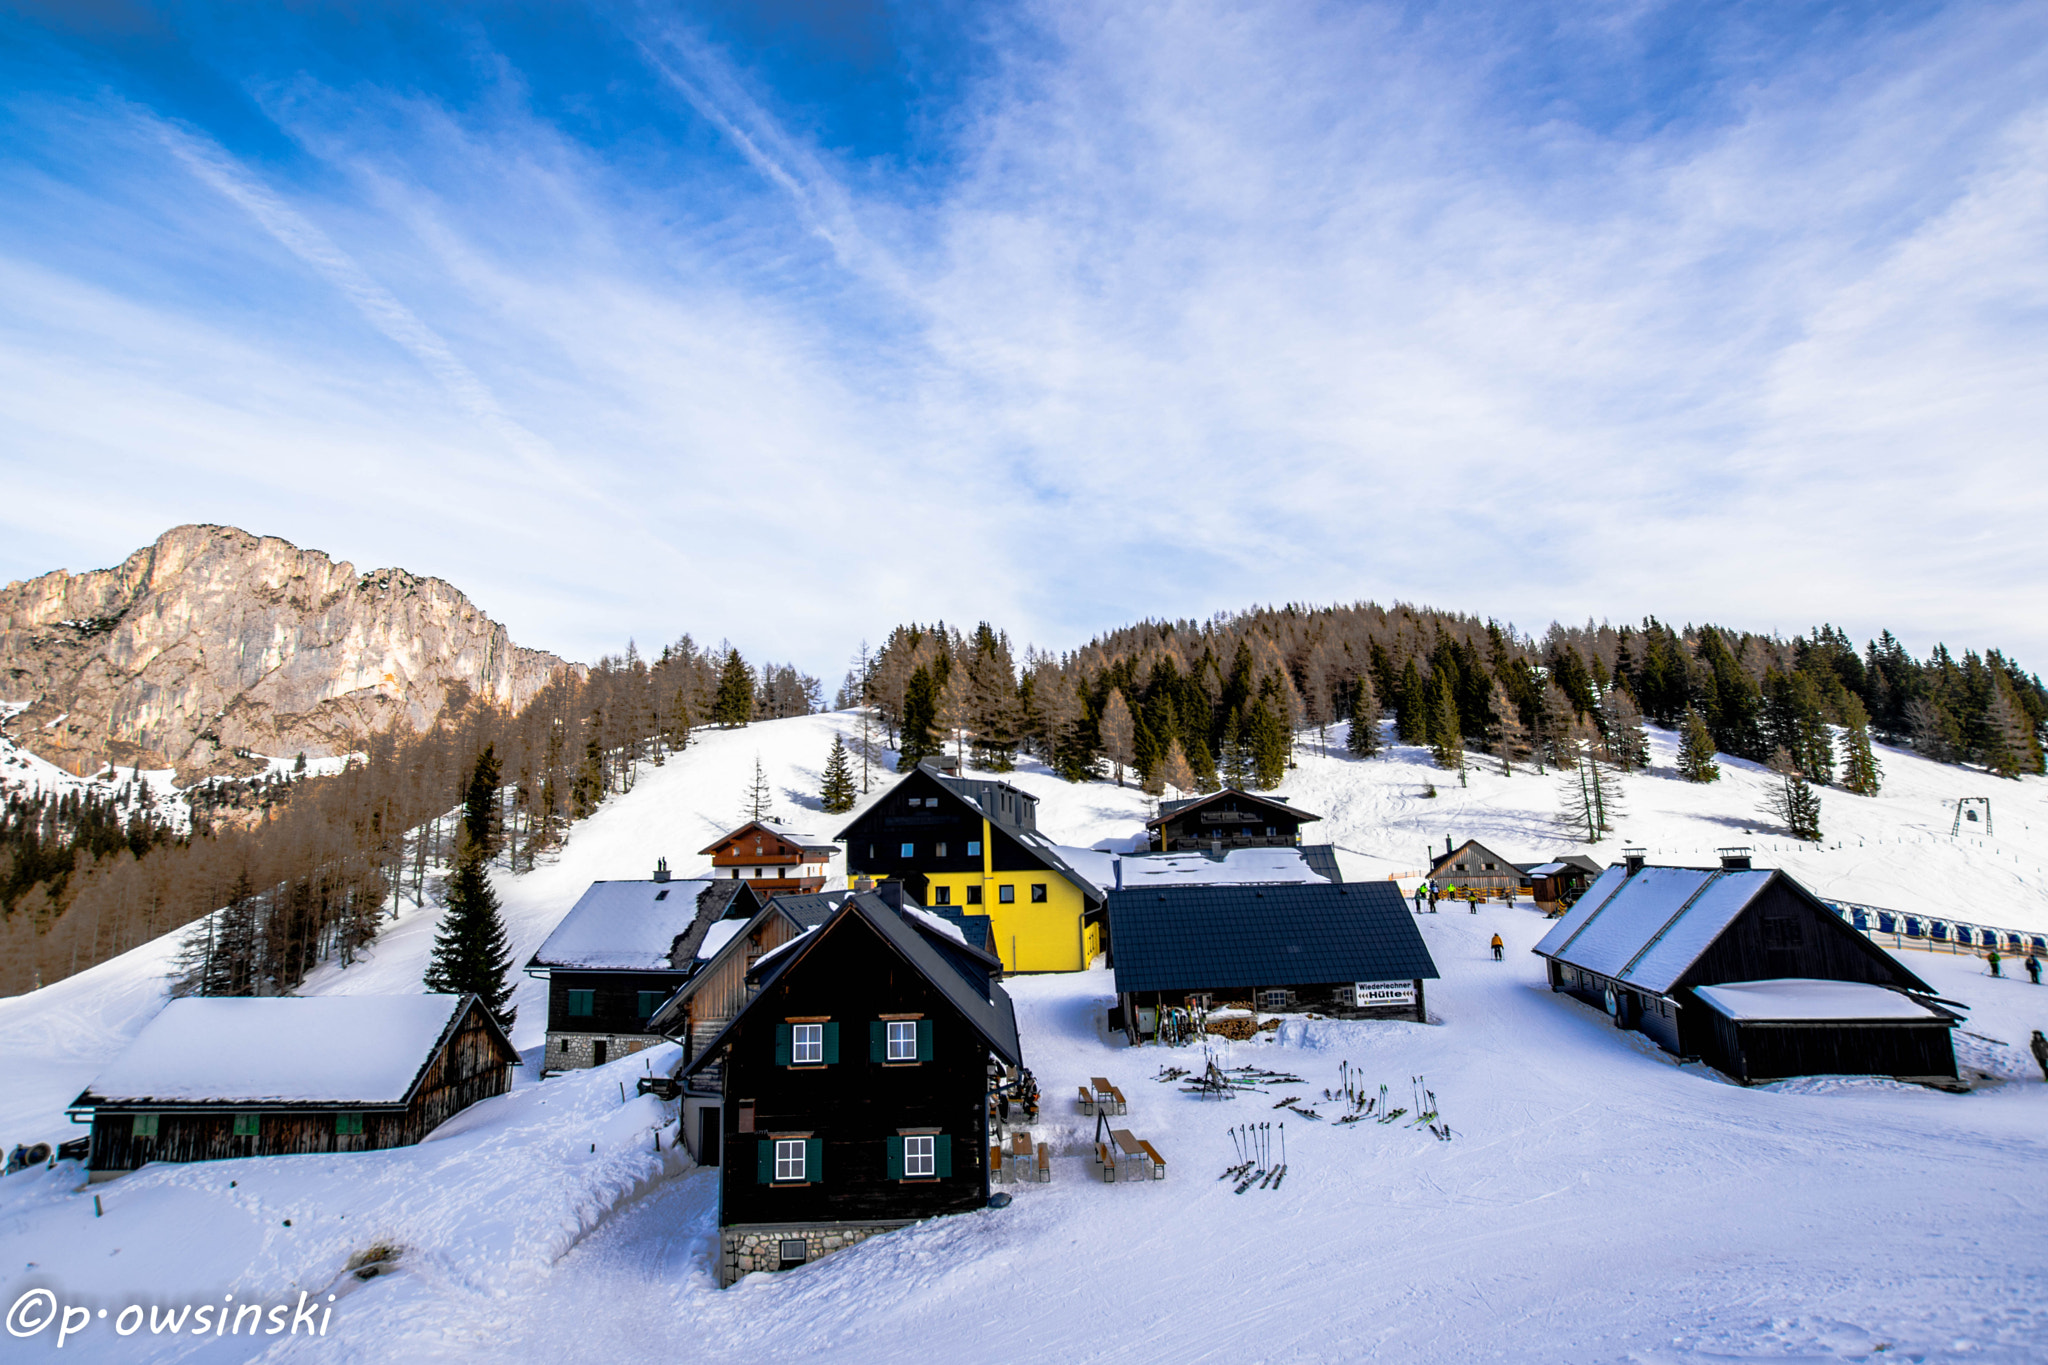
(974, 845)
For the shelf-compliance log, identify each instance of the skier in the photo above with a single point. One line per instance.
(2041, 1053)
(1497, 946)
(1432, 898)
(1992, 957)
(2034, 969)
(1418, 897)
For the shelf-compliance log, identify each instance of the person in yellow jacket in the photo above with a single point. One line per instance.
(1497, 946)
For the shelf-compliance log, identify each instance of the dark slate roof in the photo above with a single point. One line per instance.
(1169, 809)
(1322, 860)
(1194, 937)
(960, 973)
(812, 910)
(1582, 862)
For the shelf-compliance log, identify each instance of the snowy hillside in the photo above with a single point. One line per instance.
(1599, 1202)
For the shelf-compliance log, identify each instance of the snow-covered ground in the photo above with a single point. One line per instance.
(1598, 1201)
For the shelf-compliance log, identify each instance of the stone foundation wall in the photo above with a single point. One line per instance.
(758, 1246)
(577, 1051)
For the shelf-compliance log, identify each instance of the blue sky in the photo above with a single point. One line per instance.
(786, 321)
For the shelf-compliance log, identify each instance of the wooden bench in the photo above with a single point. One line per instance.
(1106, 1161)
(1119, 1104)
(995, 1161)
(1044, 1164)
(1087, 1100)
(1158, 1161)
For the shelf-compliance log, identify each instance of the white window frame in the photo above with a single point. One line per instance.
(789, 1160)
(806, 1044)
(920, 1157)
(902, 1038)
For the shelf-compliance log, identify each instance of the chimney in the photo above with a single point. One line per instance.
(661, 869)
(1734, 859)
(1447, 845)
(1633, 859)
(1118, 864)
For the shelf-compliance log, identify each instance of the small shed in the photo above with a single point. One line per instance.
(1350, 951)
(215, 1078)
(1768, 1030)
(1555, 885)
(1472, 866)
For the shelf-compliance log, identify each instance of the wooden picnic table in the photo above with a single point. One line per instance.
(1132, 1149)
(1107, 1094)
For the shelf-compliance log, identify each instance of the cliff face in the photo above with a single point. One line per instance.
(213, 640)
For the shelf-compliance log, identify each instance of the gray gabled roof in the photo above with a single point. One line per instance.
(1195, 937)
(777, 906)
(1500, 864)
(1648, 930)
(949, 968)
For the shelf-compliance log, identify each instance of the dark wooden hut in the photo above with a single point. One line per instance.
(1351, 951)
(1472, 866)
(856, 1084)
(623, 949)
(210, 1079)
(1225, 820)
(1642, 942)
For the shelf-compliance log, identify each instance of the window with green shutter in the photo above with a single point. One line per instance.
(582, 1004)
(895, 1145)
(814, 1160)
(649, 1002)
(144, 1126)
(782, 1036)
(348, 1125)
(942, 1154)
(924, 1040)
(246, 1125)
(764, 1162)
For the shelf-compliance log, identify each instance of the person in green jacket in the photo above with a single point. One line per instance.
(1993, 959)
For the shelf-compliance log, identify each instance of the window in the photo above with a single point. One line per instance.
(974, 848)
(974, 895)
(246, 1125)
(348, 1125)
(918, 1157)
(807, 1045)
(921, 1155)
(1275, 1000)
(144, 1126)
(746, 1116)
(789, 1159)
(793, 1252)
(648, 1002)
(939, 850)
(582, 1004)
(1006, 894)
(1272, 831)
(942, 895)
(910, 850)
(902, 1040)
(1038, 893)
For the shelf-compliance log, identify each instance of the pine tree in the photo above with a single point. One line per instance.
(1235, 767)
(920, 714)
(733, 704)
(1119, 735)
(1861, 772)
(759, 803)
(837, 795)
(1696, 750)
(1412, 708)
(1269, 743)
(1364, 739)
(1447, 740)
(481, 821)
(1792, 803)
(471, 952)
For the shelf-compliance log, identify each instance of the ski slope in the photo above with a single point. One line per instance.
(1599, 1202)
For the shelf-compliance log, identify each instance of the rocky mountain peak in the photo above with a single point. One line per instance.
(212, 641)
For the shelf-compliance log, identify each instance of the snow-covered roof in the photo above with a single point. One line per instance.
(1804, 999)
(1262, 865)
(1544, 869)
(1647, 929)
(327, 1049)
(717, 936)
(801, 838)
(938, 925)
(624, 926)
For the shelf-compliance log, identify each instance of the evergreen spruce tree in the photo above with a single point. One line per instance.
(920, 714)
(1364, 739)
(838, 794)
(471, 952)
(733, 704)
(1412, 707)
(481, 820)
(1792, 802)
(587, 789)
(1234, 768)
(1269, 743)
(1861, 772)
(1696, 749)
(1447, 740)
(759, 803)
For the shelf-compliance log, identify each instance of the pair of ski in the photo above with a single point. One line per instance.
(1264, 1179)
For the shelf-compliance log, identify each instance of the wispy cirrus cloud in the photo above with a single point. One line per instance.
(1175, 308)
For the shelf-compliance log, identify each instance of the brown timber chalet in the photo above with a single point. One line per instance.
(212, 1079)
(773, 859)
(856, 1082)
(1472, 866)
(1225, 820)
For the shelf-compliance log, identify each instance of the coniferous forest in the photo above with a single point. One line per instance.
(309, 866)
